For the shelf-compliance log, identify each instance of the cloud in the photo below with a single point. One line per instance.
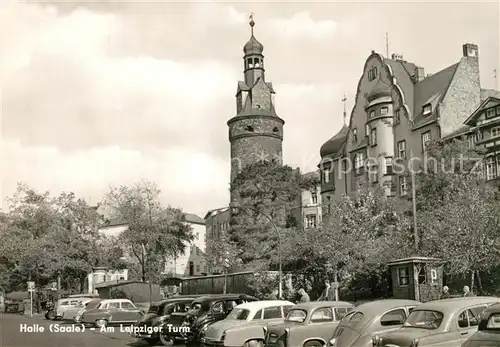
(301, 25)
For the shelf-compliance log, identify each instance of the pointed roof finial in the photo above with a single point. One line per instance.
(252, 23)
(344, 99)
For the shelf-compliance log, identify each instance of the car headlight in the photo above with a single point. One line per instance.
(265, 330)
(287, 331)
(223, 337)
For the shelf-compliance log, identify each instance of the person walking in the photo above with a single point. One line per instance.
(445, 294)
(303, 296)
(328, 294)
(467, 292)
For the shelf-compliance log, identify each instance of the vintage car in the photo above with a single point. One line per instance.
(205, 310)
(66, 304)
(70, 313)
(372, 318)
(447, 322)
(308, 324)
(157, 313)
(244, 325)
(110, 311)
(488, 331)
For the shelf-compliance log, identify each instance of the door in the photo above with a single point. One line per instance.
(468, 321)
(391, 320)
(129, 312)
(322, 323)
(272, 314)
(114, 311)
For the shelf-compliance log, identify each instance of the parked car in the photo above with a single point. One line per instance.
(64, 305)
(111, 311)
(447, 322)
(205, 310)
(93, 304)
(71, 313)
(369, 319)
(309, 324)
(157, 313)
(244, 325)
(488, 331)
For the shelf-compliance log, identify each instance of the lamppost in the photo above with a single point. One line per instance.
(276, 229)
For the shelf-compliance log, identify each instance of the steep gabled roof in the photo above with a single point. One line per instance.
(486, 93)
(333, 145)
(481, 107)
(194, 219)
(431, 90)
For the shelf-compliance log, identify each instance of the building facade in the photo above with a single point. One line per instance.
(256, 132)
(217, 224)
(308, 213)
(398, 110)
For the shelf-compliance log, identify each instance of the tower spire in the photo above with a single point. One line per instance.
(251, 23)
(344, 99)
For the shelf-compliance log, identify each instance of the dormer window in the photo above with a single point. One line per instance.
(249, 128)
(490, 113)
(372, 73)
(354, 135)
(275, 130)
(426, 110)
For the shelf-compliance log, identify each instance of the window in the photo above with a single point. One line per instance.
(498, 110)
(372, 114)
(397, 117)
(467, 319)
(426, 138)
(256, 62)
(286, 309)
(495, 132)
(326, 175)
(402, 149)
(272, 312)
(250, 63)
(411, 309)
(128, 306)
(427, 110)
(64, 303)
(373, 173)
(314, 198)
(238, 314)
(403, 186)
(373, 136)
(493, 322)
(388, 166)
(394, 317)
(197, 266)
(356, 317)
(403, 276)
(490, 168)
(323, 314)
(296, 315)
(341, 312)
(354, 135)
(258, 315)
(372, 73)
(490, 113)
(358, 161)
(112, 305)
(424, 319)
(311, 221)
(384, 110)
(328, 204)
(257, 106)
(275, 130)
(470, 141)
(249, 128)
(74, 302)
(367, 130)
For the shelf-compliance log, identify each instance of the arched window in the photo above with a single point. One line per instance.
(256, 62)
(250, 63)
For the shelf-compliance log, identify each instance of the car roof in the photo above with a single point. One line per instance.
(215, 297)
(495, 308)
(314, 304)
(115, 300)
(172, 300)
(449, 306)
(374, 307)
(258, 305)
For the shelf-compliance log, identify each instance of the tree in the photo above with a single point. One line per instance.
(266, 193)
(154, 232)
(223, 255)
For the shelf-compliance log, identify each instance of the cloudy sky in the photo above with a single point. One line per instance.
(104, 93)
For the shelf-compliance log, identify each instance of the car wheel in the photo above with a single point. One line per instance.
(254, 343)
(50, 315)
(313, 344)
(166, 340)
(101, 323)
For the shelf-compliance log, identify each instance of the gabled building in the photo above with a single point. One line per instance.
(398, 110)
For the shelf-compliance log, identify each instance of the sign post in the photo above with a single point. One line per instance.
(31, 289)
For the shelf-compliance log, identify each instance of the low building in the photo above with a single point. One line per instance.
(216, 223)
(103, 274)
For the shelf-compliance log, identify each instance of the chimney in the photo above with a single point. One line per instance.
(418, 74)
(470, 50)
(396, 56)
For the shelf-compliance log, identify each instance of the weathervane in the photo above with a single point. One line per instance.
(252, 23)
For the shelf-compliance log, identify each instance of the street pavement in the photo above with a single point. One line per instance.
(11, 334)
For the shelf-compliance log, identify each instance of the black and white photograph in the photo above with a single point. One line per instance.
(250, 174)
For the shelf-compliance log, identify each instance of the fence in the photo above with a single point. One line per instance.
(214, 284)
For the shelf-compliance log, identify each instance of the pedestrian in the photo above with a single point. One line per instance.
(445, 294)
(328, 294)
(303, 296)
(242, 299)
(467, 292)
(273, 295)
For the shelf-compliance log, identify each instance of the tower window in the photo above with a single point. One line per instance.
(275, 130)
(250, 63)
(257, 105)
(249, 128)
(256, 62)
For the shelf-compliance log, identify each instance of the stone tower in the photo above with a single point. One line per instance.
(256, 132)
